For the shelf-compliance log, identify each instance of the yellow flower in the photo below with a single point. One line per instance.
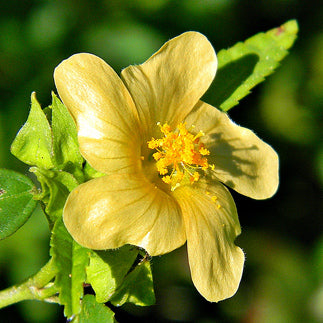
(164, 153)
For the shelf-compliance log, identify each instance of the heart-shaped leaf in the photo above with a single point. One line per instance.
(16, 201)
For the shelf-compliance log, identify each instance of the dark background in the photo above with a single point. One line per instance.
(282, 236)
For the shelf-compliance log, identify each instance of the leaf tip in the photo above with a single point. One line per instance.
(54, 96)
(33, 96)
(290, 27)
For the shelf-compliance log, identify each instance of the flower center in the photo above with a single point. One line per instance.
(179, 153)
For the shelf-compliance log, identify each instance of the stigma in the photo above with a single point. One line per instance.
(179, 154)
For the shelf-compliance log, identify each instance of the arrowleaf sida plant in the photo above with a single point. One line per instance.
(137, 166)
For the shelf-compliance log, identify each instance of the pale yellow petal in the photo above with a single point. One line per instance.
(114, 210)
(241, 159)
(212, 225)
(104, 112)
(167, 86)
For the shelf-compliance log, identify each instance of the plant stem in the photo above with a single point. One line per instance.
(37, 287)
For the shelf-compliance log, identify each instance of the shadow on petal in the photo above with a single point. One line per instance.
(241, 159)
(226, 155)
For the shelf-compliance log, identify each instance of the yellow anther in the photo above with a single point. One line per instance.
(214, 198)
(165, 128)
(195, 177)
(204, 152)
(153, 143)
(179, 152)
(166, 179)
(157, 155)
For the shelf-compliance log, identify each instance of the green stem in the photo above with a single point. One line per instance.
(37, 287)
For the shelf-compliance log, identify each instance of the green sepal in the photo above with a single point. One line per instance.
(137, 287)
(65, 144)
(243, 66)
(92, 311)
(56, 186)
(90, 173)
(16, 201)
(33, 143)
(107, 270)
(48, 139)
(71, 260)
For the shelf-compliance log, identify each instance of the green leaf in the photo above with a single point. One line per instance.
(33, 143)
(56, 186)
(137, 287)
(245, 65)
(71, 260)
(95, 312)
(16, 201)
(65, 143)
(107, 270)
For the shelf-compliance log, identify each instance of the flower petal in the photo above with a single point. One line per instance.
(212, 225)
(242, 160)
(104, 112)
(111, 211)
(167, 86)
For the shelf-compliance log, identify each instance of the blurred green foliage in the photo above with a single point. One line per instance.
(282, 237)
